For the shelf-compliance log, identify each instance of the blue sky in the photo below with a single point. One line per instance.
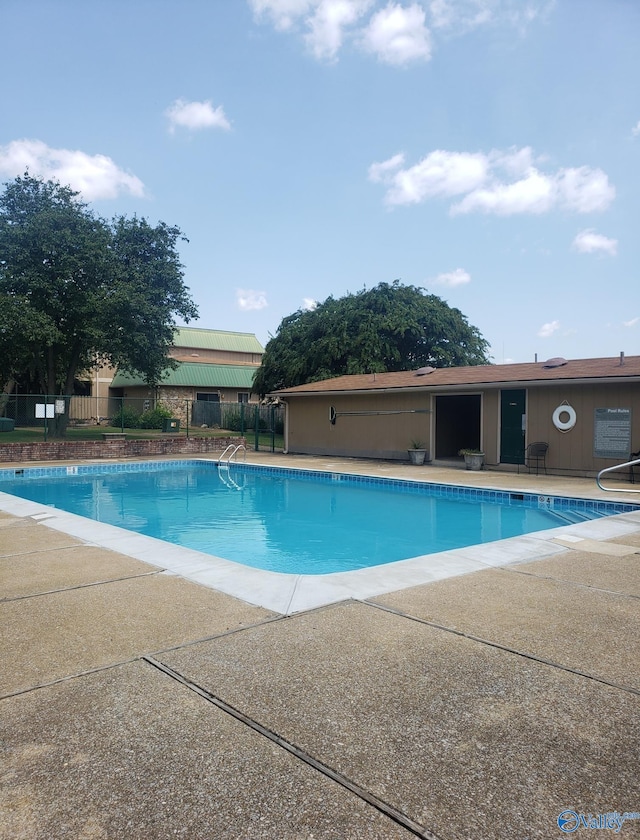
(486, 150)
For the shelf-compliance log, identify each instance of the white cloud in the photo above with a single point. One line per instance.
(584, 189)
(309, 304)
(250, 300)
(398, 34)
(94, 176)
(395, 33)
(461, 14)
(440, 173)
(283, 13)
(590, 242)
(549, 329)
(520, 15)
(532, 194)
(630, 323)
(328, 23)
(442, 13)
(636, 129)
(465, 15)
(324, 22)
(515, 162)
(196, 115)
(500, 182)
(458, 277)
(380, 171)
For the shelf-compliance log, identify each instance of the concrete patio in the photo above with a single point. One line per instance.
(137, 703)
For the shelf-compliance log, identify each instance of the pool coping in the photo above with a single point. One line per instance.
(292, 593)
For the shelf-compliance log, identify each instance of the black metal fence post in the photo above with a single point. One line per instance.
(273, 428)
(257, 427)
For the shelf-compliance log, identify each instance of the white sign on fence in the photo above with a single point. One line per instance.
(45, 410)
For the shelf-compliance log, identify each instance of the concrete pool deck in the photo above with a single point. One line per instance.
(138, 703)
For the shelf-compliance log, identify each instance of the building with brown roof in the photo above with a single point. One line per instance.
(586, 410)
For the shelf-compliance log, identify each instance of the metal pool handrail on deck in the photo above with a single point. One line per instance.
(630, 464)
(234, 450)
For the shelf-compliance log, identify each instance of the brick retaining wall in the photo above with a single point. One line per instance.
(76, 450)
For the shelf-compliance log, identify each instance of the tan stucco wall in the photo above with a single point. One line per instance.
(389, 435)
(572, 452)
(374, 436)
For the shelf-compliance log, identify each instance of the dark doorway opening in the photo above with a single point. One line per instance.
(457, 424)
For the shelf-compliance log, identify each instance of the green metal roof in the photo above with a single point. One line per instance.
(197, 375)
(217, 340)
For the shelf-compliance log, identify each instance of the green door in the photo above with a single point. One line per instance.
(512, 426)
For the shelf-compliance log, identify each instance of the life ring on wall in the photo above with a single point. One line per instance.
(569, 423)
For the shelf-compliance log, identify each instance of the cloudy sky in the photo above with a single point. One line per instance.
(485, 150)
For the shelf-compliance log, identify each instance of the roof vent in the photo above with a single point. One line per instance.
(557, 361)
(424, 371)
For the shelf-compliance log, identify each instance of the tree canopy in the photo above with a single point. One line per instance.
(76, 290)
(390, 327)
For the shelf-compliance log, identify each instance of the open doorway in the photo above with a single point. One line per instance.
(457, 424)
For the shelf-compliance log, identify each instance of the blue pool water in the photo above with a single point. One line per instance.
(292, 521)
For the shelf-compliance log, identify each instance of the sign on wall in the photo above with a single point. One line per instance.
(612, 433)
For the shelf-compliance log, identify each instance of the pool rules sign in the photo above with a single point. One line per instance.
(612, 433)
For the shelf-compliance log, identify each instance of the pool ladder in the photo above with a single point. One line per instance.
(232, 450)
(630, 465)
(224, 470)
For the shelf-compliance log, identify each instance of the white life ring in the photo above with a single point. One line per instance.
(569, 423)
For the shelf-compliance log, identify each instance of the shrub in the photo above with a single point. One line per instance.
(154, 417)
(233, 420)
(126, 418)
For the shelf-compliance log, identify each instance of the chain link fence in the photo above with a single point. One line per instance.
(262, 425)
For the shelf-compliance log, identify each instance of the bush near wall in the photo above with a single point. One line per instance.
(129, 418)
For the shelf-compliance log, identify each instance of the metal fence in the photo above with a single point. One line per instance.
(165, 414)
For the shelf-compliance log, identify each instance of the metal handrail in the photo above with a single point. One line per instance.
(234, 451)
(220, 459)
(612, 469)
(237, 449)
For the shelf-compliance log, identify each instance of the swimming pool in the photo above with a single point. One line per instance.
(298, 522)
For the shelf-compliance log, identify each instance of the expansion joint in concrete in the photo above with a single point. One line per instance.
(576, 584)
(79, 586)
(384, 807)
(523, 654)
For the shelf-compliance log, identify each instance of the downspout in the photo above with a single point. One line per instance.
(285, 444)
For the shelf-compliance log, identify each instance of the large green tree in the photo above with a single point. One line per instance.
(390, 327)
(76, 290)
